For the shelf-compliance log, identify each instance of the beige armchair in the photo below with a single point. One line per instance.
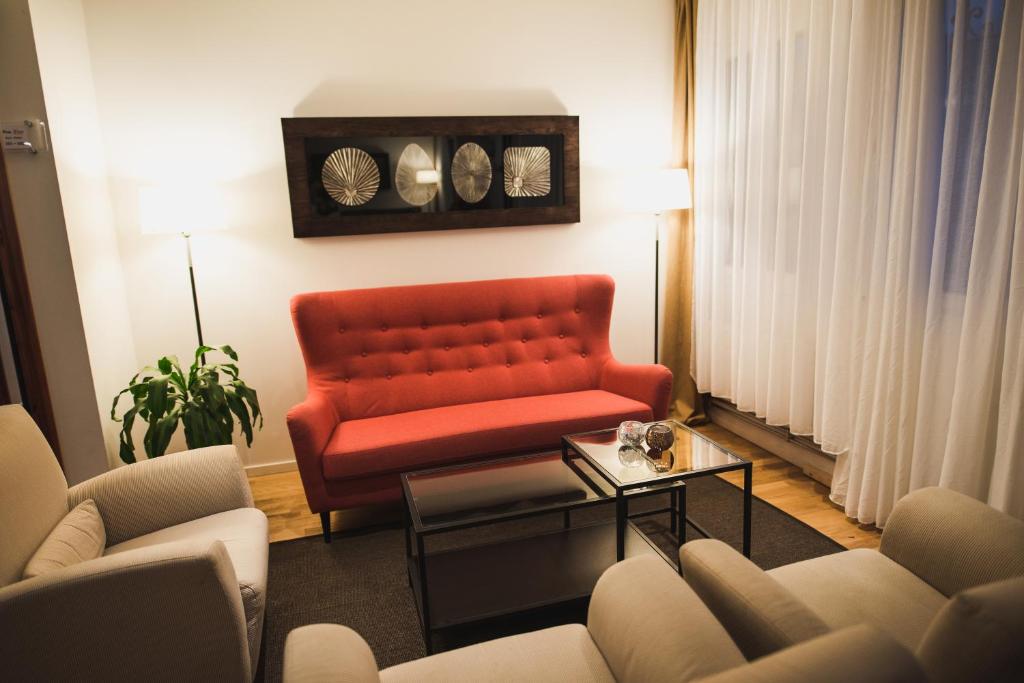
(178, 592)
(644, 624)
(947, 582)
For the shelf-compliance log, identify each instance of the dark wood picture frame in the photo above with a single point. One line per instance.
(306, 223)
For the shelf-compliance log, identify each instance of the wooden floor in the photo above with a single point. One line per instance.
(777, 482)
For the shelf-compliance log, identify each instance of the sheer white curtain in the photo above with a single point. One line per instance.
(859, 236)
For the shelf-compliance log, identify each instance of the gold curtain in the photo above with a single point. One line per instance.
(677, 335)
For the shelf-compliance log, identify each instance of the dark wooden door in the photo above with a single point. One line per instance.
(26, 358)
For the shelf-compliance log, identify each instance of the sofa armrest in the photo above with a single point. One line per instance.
(650, 384)
(160, 492)
(328, 653)
(760, 614)
(953, 542)
(165, 612)
(650, 626)
(852, 655)
(310, 425)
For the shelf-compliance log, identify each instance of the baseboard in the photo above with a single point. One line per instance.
(270, 468)
(778, 441)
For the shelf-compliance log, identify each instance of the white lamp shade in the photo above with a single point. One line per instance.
(176, 209)
(660, 190)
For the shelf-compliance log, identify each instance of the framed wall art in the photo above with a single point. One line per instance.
(354, 176)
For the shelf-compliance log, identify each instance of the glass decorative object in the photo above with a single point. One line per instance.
(631, 456)
(660, 436)
(631, 433)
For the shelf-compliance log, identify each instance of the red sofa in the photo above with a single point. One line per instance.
(405, 378)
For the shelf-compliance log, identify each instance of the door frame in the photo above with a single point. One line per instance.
(21, 320)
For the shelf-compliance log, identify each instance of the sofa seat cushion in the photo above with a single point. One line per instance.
(244, 534)
(422, 438)
(864, 587)
(562, 653)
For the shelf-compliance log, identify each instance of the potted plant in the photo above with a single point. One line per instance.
(206, 401)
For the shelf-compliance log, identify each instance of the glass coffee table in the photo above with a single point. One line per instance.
(517, 574)
(634, 474)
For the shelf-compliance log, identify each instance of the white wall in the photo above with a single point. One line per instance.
(51, 278)
(64, 64)
(196, 89)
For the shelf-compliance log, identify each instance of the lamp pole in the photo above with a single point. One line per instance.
(657, 278)
(195, 298)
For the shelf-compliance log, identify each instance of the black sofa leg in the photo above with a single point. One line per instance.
(325, 522)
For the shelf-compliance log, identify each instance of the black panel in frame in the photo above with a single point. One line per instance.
(309, 141)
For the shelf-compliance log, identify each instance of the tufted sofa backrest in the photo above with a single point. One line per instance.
(396, 349)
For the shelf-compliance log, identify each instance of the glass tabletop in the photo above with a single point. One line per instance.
(626, 466)
(491, 491)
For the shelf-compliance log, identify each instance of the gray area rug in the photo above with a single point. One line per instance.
(359, 579)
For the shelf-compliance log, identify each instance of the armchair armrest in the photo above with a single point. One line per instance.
(310, 425)
(852, 655)
(650, 626)
(154, 494)
(650, 384)
(328, 653)
(165, 612)
(760, 614)
(953, 542)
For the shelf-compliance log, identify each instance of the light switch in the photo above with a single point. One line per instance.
(25, 135)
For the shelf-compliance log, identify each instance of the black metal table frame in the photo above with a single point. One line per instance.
(674, 484)
(414, 527)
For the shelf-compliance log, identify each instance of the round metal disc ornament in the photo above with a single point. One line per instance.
(350, 176)
(471, 172)
(527, 171)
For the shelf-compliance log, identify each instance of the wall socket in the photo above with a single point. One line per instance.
(24, 135)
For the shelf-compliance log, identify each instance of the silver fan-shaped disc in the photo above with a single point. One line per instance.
(527, 171)
(414, 159)
(471, 172)
(350, 176)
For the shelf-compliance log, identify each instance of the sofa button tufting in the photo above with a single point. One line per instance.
(388, 376)
(405, 351)
(430, 372)
(447, 347)
(486, 344)
(383, 328)
(363, 354)
(524, 340)
(583, 355)
(561, 335)
(547, 360)
(341, 329)
(464, 323)
(577, 309)
(501, 318)
(346, 380)
(508, 365)
(469, 369)
(539, 316)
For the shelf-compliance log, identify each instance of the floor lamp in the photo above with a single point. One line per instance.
(660, 191)
(167, 210)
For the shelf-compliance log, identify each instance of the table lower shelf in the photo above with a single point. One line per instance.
(522, 574)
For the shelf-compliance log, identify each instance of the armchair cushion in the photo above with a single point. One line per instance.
(76, 538)
(863, 586)
(244, 534)
(153, 494)
(953, 541)
(408, 441)
(758, 612)
(563, 653)
(977, 636)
